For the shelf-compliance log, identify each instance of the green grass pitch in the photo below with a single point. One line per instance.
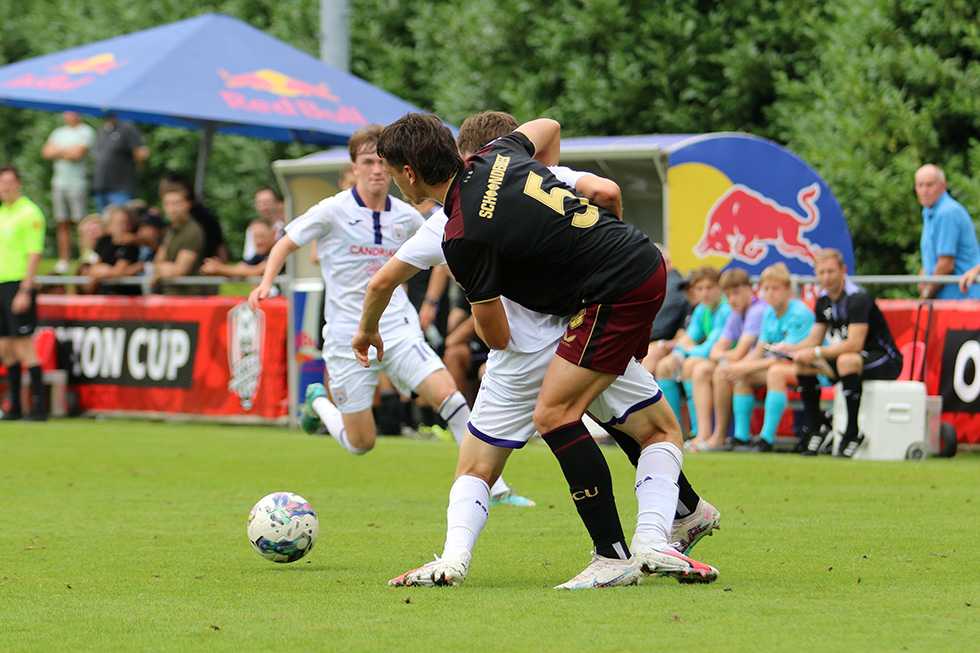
(121, 536)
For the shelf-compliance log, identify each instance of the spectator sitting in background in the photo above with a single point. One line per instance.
(182, 249)
(214, 239)
(672, 318)
(346, 178)
(90, 229)
(118, 256)
(272, 211)
(252, 267)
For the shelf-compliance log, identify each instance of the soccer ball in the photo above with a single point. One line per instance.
(283, 527)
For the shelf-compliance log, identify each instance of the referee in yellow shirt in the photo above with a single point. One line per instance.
(21, 244)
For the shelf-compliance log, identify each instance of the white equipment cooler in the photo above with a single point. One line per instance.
(892, 417)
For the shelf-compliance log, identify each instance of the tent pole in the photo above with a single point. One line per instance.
(203, 150)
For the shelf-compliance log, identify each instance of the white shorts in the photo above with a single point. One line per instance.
(407, 363)
(504, 408)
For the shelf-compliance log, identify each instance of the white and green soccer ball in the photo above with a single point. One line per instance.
(283, 527)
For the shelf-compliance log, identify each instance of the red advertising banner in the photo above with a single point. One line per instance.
(191, 355)
(951, 351)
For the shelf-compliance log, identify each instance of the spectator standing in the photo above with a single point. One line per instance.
(21, 244)
(182, 249)
(119, 153)
(949, 238)
(68, 146)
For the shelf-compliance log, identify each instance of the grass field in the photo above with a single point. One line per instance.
(125, 536)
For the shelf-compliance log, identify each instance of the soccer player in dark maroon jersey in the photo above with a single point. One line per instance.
(514, 230)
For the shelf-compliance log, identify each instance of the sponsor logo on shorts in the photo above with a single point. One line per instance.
(577, 320)
(339, 395)
(568, 340)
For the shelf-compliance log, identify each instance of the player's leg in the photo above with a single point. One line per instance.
(633, 405)
(779, 378)
(349, 421)
(668, 371)
(813, 436)
(413, 364)
(743, 403)
(687, 376)
(26, 357)
(721, 396)
(480, 464)
(702, 398)
(849, 368)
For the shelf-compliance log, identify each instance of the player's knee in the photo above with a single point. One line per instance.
(548, 418)
(849, 363)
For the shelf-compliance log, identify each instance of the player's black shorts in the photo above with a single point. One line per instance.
(16, 325)
(878, 365)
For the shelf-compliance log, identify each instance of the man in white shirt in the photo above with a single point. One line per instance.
(356, 232)
(68, 146)
(501, 418)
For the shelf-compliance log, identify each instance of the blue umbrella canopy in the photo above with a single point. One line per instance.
(211, 72)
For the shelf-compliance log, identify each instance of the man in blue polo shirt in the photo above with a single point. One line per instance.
(949, 238)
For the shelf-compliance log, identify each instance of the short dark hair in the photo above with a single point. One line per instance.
(705, 272)
(363, 136)
(734, 278)
(421, 141)
(481, 128)
(176, 179)
(272, 190)
(9, 167)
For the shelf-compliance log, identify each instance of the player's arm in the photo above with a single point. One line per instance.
(277, 258)
(433, 292)
(376, 298)
(545, 135)
(602, 192)
(805, 350)
(491, 323)
(721, 347)
(50, 150)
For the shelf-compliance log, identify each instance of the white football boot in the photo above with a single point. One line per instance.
(688, 531)
(605, 572)
(668, 561)
(438, 573)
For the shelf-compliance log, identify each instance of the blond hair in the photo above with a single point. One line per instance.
(777, 272)
(829, 253)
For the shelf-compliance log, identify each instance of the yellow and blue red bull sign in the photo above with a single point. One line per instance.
(735, 200)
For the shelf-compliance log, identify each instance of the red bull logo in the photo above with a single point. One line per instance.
(100, 63)
(277, 83)
(743, 223)
(295, 97)
(70, 74)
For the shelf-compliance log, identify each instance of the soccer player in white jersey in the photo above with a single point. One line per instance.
(501, 421)
(356, 231)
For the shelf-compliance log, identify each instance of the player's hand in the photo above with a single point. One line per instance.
(671, 363)
(211, 265)
(258, 293)
(362, 343)
(805, 356)
(22, 302)
(969, 278)
(427, 315)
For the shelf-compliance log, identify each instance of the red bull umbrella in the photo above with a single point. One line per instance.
(211, 70)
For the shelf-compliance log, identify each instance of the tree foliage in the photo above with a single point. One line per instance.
(864, 90)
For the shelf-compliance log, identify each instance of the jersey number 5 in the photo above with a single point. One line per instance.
(555, 200)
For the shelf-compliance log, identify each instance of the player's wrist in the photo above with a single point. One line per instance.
(432, 302)
(817, 352)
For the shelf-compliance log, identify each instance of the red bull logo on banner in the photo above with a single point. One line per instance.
(767, 223)
(70, 74)
(742, 201)
(293, 97)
